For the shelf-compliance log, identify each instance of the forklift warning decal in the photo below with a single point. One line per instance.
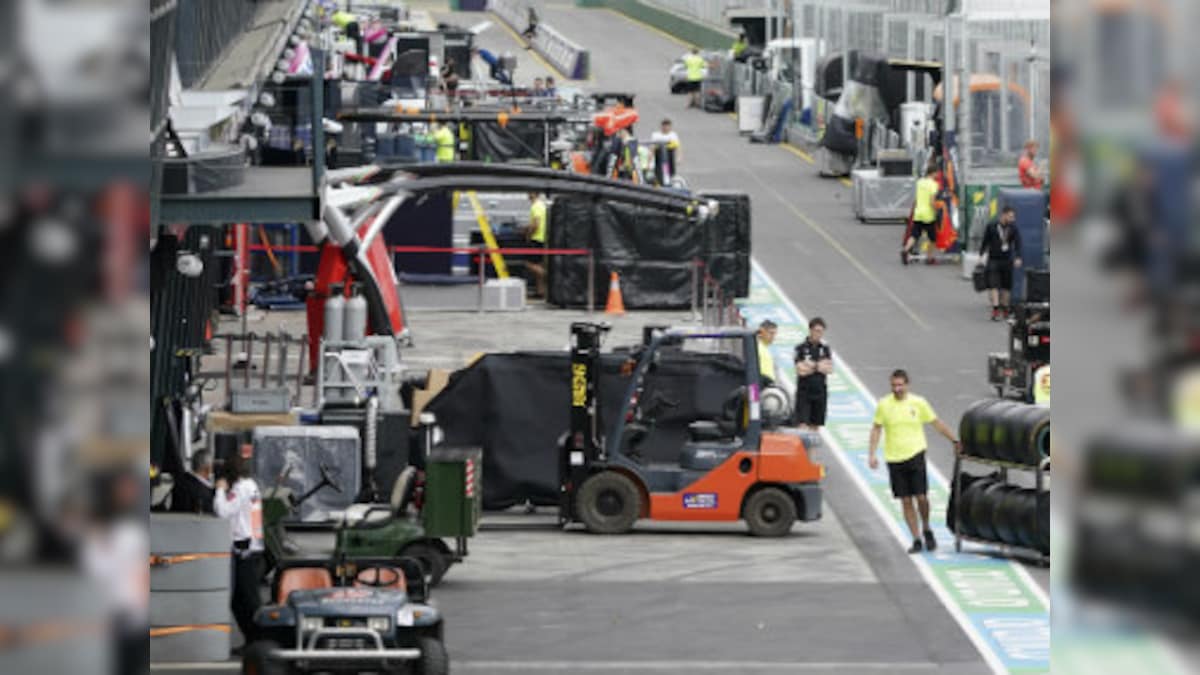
(1003, 611)
(578, 385)
(699, 500)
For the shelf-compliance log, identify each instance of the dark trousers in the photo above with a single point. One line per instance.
(245, 600)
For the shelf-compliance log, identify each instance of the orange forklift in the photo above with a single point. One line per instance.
(729, 469)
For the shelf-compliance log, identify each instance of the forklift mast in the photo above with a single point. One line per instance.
(581, 448)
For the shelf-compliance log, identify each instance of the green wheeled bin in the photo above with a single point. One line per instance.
(453, 494)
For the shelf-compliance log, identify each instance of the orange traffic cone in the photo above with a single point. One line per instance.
(615, 305)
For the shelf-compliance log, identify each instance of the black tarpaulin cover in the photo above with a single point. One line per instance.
(650, 249)
(515, 140)
(516, 406)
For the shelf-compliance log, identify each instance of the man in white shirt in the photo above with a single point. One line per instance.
(666, 145)
(242, 505)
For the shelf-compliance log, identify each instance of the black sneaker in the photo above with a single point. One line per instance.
(916, 547)
(930, 541)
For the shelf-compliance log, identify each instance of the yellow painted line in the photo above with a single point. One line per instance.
(655, 29)
(808, 158)
(837, 246)
(532, 52)
(798, 152)
(486, 228)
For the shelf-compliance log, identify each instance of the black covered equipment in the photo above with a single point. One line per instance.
(652, 250)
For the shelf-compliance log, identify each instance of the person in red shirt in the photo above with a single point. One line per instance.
(1028, 169)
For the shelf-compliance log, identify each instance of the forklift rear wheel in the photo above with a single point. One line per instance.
(770, 512)
(608, 503)
(431, 558)
(434, 660)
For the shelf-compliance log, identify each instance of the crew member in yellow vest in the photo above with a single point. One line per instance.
(766, 363)
(443, 138)
(1041, 385)
(739, 45)
(924, 214)
(695, 76)
(536, 232)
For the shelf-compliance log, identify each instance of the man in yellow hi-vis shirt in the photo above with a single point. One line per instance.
(443, 138)
(536, 232)
(695, 76)
(766, 363)
(902, 417)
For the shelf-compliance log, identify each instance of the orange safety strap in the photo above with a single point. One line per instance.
(166, 631)
(161, 560)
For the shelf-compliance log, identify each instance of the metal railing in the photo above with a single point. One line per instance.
(712, 305)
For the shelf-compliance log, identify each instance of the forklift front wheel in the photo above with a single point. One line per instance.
(608, 503)
(770, 512)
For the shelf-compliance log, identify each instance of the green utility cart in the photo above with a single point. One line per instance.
(450, 507)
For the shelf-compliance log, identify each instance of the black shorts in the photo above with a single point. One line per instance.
(930, 229)
(999, 274)
(908, 477)
(691, 86)
(810, 411)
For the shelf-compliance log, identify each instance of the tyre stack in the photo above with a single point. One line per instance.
(190, 576)
(987, 508)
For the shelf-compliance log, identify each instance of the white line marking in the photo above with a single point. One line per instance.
(719, 666)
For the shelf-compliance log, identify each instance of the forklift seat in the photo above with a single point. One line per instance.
(378, 514)
(702, 431)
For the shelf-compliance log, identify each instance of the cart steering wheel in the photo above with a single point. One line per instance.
(378, 577)
(327, 479)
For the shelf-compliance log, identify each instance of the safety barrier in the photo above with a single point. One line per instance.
(571, 60)
(480, 255)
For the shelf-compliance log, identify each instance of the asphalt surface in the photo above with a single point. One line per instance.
(836, 596)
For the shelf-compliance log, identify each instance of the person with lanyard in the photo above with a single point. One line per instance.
(1001, 253)
(766, 363)
(241, 504)
(924, 213)
(536, 233)
(739, 45)
(901, 417)
(1027, 167)
(444, 139)
(814, 360)
(695, 76)
(666, 143)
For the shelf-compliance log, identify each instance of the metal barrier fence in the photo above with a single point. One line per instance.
(710, 305)
(481, 256)
(206, 27)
